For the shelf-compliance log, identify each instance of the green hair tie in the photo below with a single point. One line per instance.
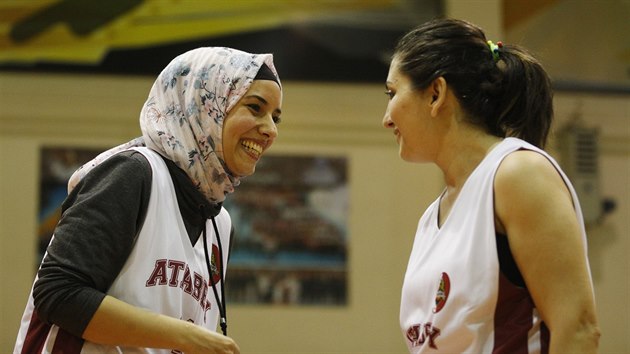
(494, 48)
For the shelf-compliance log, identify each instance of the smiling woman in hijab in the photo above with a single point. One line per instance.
(138, 258)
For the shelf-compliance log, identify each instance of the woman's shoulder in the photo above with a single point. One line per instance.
(526, 168)
(525, 161)
(526, 180)
(125, 162)
(120, 172)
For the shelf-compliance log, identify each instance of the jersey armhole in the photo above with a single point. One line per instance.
(507, 265)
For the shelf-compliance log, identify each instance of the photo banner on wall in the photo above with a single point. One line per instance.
(290, 219)
(291, 237)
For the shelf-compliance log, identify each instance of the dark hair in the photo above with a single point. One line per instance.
(511, 96)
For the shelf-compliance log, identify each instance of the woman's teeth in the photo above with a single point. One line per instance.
(252, 146)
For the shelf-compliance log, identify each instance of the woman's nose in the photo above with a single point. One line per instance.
(268, 127)
(387, 121)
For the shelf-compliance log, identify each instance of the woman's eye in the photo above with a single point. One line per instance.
(277, 120)
(254, 107)
(389, 94)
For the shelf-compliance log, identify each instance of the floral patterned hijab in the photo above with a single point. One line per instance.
(183, 116)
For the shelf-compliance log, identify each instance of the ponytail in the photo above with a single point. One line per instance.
(525, 106)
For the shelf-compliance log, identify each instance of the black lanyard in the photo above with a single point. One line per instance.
(220, 302)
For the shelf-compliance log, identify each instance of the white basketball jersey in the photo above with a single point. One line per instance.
(453, 293)
(164, 272)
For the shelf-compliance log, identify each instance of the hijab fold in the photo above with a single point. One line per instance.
(182, 119)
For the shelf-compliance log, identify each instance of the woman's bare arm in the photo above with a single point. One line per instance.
(535, 207)
(118, 323)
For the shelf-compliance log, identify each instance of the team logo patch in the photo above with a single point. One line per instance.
(215, 265)
(442, 293)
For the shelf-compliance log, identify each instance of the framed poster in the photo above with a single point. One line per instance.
(291, 237)
(290, 221)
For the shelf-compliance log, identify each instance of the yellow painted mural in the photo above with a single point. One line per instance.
(82, 31)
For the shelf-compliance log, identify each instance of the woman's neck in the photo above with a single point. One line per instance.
(461, 154)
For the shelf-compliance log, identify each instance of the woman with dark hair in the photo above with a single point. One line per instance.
(138, 259)
(499, 261)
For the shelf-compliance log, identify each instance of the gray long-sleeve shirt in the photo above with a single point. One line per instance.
(95, 235)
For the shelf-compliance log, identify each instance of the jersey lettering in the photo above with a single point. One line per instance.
(418, 334)
(176, 266)
(168, 271)
(159, 273)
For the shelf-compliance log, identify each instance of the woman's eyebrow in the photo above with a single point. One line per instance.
(258, 98)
